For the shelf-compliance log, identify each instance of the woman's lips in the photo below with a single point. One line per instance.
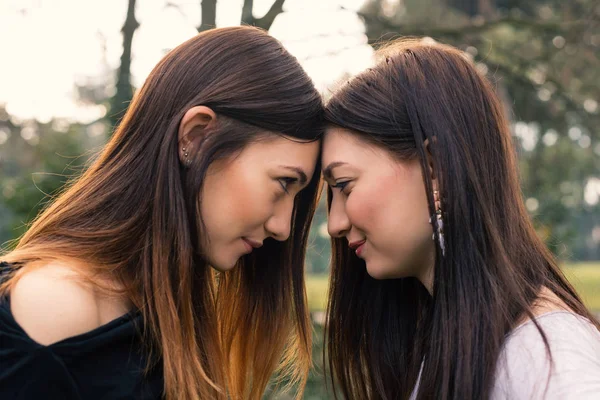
(357, 246)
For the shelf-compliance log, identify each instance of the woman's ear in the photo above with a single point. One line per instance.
(193, 126)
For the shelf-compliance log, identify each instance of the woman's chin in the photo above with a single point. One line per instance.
(381, 272)
(223, 264)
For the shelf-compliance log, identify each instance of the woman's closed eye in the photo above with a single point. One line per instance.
(341, 185)
(285, 182)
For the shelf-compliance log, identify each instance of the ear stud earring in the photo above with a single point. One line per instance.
(186, 161)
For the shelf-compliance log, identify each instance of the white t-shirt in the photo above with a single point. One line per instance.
(524, 370)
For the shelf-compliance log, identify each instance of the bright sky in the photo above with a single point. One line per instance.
(48, 45)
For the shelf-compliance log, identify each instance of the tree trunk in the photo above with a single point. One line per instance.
(247, 16)
(264, 22)
(209, 15)
(122, 97)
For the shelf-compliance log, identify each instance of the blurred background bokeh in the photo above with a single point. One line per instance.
(70, 67)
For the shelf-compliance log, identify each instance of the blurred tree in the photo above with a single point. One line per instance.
(36, 160)
(542, 55)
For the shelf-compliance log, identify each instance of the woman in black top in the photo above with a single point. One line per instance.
(111, 294)
(106, 362)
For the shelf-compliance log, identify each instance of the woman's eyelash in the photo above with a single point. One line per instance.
(340, 185)
(284, 182)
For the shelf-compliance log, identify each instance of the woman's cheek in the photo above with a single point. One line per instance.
(359, 209)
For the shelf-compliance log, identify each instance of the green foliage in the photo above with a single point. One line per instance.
(37, 161)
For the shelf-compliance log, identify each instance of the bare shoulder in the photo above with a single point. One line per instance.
(50, 304)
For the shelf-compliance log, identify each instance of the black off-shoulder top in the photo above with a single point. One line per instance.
(105, 363)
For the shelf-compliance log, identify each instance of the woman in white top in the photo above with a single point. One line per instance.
(419, 145)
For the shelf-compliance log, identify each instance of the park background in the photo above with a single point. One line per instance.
(70, 67)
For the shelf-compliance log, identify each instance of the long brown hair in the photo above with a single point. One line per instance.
(133, 217)
(379, 333)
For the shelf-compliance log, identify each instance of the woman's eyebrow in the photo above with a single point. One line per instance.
(302, 175)
(327, 171)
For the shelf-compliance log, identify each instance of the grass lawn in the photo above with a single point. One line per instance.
(586, 279)
(316, 291)
(584, 276)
